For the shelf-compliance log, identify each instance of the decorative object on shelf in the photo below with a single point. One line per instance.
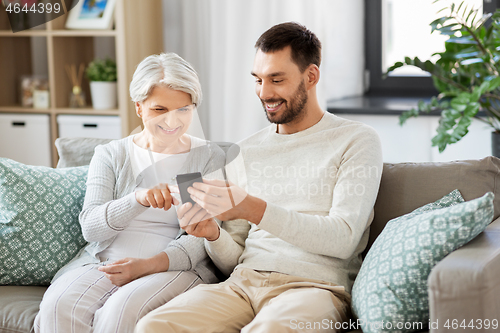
(466, 74)
(77, 97)
(91, 14)
(41, 98)
(28, 85)
(102, 77)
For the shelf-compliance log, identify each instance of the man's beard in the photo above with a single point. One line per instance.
(294, 110)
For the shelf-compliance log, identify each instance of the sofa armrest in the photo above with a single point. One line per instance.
(465, 286)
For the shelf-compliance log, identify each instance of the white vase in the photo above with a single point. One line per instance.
(103, 95)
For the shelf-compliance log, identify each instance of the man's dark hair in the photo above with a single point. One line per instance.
(306, 47)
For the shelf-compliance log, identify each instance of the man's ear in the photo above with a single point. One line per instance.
(138, 109)
(312, 76)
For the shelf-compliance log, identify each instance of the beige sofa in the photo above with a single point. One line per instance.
(464, 285)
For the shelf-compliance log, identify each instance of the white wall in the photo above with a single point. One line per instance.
(217, 37)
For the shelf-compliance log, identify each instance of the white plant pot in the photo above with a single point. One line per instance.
(103, 95)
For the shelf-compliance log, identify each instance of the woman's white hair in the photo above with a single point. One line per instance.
(166, 69)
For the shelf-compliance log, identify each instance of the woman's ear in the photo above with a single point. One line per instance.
(138, 109)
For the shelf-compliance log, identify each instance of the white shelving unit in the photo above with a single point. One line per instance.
(45, 50)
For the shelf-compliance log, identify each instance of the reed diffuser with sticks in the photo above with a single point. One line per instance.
(77, 96)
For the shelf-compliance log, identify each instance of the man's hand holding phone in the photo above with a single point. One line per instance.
(216, 198)
(193, 219)
(222, 199)
(197, 222)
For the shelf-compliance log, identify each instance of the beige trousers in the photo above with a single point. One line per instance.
(253, 301)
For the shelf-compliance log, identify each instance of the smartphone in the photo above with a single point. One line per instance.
(186, 180)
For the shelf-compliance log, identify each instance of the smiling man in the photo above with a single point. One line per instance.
(297, 213)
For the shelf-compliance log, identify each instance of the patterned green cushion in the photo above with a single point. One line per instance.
(390, 291)
(39, 228)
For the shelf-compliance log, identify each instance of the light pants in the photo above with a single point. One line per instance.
(253, 301)
(84, 300)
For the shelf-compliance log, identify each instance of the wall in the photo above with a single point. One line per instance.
(217, 37)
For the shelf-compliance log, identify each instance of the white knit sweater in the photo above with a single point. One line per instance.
(320, 186)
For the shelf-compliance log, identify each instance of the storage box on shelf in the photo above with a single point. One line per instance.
(137, 23)
(74, 126)
(29, 131)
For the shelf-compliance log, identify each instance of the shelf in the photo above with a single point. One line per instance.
(20, 109)
(380, 105)
(25, 33)
(83, 33)
(87, 112)
(57, 111)
(16, 55)
(70, 51)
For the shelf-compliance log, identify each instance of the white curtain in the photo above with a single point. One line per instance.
(217, 37)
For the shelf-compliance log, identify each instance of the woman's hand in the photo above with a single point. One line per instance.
(126, 270)
(157, 197)
(197, 222)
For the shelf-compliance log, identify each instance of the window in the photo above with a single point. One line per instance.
(399, 28)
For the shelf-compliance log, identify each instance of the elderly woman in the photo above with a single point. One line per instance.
(137, 257)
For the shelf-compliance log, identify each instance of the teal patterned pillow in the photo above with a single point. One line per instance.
(390, 291)
(39, 228)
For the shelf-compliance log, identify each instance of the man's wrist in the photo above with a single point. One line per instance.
(254, 209)
(214, 237)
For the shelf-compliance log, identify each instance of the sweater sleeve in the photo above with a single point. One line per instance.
(226, 250)
(185, 253)
(354, 194)
(103, 216)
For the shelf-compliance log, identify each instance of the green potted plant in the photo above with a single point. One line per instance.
(466, 74)
(102, 77)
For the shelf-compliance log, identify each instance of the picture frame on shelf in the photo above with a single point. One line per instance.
(91, 14)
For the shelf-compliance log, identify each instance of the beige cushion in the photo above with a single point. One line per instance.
(76, 151)
(407, 186)
(18, 307)
(79, 151)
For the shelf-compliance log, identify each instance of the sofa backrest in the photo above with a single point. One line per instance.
(76, 151)
(79, 151)
(407, 186)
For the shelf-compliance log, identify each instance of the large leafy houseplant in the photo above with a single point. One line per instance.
(466, 73)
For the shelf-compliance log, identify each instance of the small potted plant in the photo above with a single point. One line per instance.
(102, 77)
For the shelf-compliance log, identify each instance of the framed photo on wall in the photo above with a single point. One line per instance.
(91, 14)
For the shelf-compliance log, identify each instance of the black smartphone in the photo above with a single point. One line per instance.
(186, 180)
